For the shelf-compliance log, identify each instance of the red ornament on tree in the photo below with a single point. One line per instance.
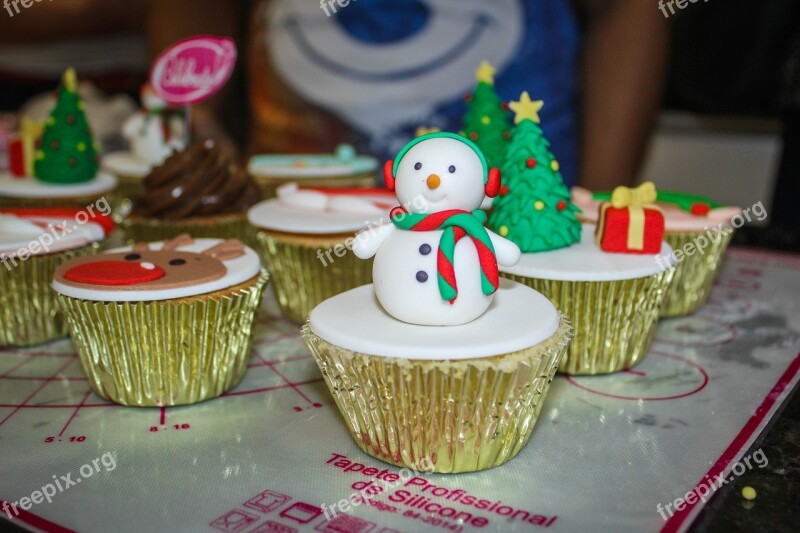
(504, 106)
(530, 163)
(506, 135)
(468, 98)
(700, 209)
(504, 190)
(561, 205)
(473, 136)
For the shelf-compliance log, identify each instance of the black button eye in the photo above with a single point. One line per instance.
(132, 257)
(452, 169)
(418, 166)
(177, 262)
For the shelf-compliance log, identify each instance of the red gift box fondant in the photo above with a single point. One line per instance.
(615, 233)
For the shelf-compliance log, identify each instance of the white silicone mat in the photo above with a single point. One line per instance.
(605, 452)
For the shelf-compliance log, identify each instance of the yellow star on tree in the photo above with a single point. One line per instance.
(424, 130)
(485, 73)
(526, 109)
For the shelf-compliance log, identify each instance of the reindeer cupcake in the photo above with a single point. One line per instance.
(163, 323)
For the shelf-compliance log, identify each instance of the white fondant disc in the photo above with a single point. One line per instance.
(308, 166)
(240, 270)
(126, 164)
(518, 318)
(17, 234)
(30, 187)
(585, 261)
(277, 216)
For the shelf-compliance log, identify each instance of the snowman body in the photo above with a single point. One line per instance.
(441, 179)
(405, 278)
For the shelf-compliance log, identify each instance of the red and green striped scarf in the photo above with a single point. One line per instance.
(456, 224)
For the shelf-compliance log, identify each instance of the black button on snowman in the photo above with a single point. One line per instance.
(437, 234)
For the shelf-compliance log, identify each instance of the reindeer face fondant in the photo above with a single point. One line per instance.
(142, 268)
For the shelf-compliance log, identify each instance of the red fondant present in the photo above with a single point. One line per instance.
(633, 230)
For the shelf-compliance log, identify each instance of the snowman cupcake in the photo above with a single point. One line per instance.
(439, 360)
(305, 236)
(164, 323)
(33, 243)
(690, 220)
(153, 134)
(343, 169)
(57, 167)
(610, 285)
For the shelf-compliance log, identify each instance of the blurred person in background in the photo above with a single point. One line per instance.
(372, 71)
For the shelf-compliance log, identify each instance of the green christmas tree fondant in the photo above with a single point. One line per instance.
(67, 153)
(486, 122)
(534, 208)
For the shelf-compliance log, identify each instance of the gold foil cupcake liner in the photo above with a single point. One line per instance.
(461, 416)
(614, 321)
(694, 274)
(303, 276)
(269, 185)
(29, 312)
(233, 226)
(171, 352)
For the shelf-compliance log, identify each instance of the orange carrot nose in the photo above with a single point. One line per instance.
(434, 181)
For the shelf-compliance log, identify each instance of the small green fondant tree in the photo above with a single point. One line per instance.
(486, 122)
(534, 208)
(67, 153)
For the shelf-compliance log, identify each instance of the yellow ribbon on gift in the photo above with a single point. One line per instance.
(634, 199)
(30, 132)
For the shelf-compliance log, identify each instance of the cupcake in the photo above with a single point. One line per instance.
(438, 362)
(55, 164)
(33, 243)
(198, 191)
(153, 133)
(343, 169)
(164, 323)
(612, 299)
(610, 286)
(697, 228)
(304, 237)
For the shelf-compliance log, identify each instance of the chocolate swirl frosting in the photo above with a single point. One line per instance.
(200, 181)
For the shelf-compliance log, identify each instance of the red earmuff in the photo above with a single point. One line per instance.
(493, 183)
(388, 174)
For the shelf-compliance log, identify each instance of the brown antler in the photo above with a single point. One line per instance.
(181, 240)
(229, 249)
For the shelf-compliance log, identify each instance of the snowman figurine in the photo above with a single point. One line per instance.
(156, 131)
(435, 263)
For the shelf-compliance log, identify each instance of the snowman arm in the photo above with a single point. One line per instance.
(508, 253)
(367, 242)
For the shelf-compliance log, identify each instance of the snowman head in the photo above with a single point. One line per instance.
(441, 171)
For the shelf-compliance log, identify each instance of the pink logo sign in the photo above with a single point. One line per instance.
(193, 69)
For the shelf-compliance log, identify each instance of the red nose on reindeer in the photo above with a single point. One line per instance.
(115, 273)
